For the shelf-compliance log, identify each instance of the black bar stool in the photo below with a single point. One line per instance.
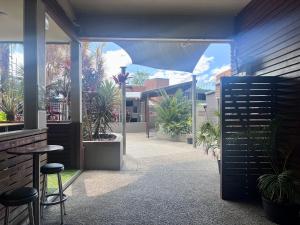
(18, 197)
(53, 168)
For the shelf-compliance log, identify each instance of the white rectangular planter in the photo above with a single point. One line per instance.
(133, 127)
(103, 155)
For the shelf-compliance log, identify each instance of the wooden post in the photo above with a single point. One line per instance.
(76, 104)
(123, 110)
(34, 64)
(194, 111)
(34, 79)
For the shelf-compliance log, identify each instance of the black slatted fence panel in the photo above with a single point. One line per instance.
(248, 105)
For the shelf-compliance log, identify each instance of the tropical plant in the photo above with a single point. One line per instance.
(174, 114)
(139, 78)
(93, 73)
(121, 78)
(106, 100)
(209, 136)
(99, 117)
(4, 61)
(280, 186)
(60, 87)
(12, 98)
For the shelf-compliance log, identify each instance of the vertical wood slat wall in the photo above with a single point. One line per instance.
(267, 43)
(16, 171)
(61, 134)
(248, 106)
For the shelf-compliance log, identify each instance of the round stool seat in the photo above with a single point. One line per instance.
(51, 168)
(20, 196)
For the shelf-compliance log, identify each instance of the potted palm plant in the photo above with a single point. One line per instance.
(209, 136)
(103, 149)
(278, 191)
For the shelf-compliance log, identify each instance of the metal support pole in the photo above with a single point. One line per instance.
(147, 116)
(76, 104)
(123, 111)
(194, 111)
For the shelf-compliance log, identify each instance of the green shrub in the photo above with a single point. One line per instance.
(3, 117)
(174, 114)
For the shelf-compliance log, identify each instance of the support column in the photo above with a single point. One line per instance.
(194, 111)
(147, 116)
(123, 110)
(76, 104)
(34, 64)
(34, 80)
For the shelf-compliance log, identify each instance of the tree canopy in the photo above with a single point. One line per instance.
(139, 78)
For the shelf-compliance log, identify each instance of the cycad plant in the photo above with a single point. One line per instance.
(174, 114)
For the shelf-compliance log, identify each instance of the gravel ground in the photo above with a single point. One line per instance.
(161, 183)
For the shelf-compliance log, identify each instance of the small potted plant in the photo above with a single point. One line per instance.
(209, 136)
(278, 192)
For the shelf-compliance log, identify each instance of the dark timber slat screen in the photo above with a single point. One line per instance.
(16, 171)
(248, 106)
(267, 41)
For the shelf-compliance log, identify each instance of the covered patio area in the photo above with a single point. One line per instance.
(162, 183)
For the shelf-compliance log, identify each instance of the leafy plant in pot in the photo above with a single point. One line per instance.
(278, 190)
(99, 112)
(209, 136)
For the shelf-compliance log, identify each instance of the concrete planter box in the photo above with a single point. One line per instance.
(133, 127)
(178, 138)
(103, 155)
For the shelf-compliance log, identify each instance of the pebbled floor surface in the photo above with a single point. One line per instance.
(162, 183)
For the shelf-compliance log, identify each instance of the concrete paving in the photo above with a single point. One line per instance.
(162, 183)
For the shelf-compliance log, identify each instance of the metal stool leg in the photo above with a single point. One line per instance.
(61, 198)
(31, 217)
(44, 190)
(6, 220)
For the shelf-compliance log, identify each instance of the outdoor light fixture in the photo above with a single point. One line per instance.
(46, 23)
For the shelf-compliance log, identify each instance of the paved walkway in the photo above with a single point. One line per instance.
(162, 183)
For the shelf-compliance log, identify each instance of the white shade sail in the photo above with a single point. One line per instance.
(166, 55)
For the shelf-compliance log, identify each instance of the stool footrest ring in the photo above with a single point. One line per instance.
(54, 202)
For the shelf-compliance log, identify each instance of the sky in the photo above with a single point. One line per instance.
(214, 60)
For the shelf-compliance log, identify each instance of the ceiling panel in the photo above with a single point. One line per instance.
(11, 24)
(154, 7)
